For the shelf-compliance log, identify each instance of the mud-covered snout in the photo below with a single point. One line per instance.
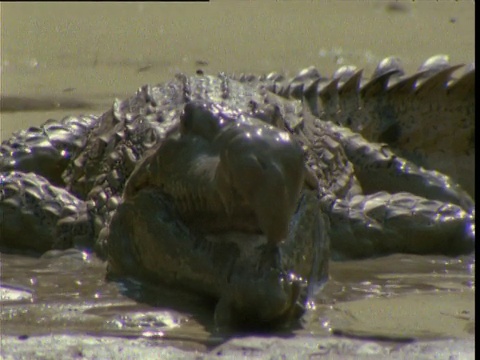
(259, 300)
(264, 166)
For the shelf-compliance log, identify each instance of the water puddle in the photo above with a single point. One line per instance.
(395, 298)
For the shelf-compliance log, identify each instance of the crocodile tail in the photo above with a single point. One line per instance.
(48, 149)
(427, 117)
(378, 168)
(35, 215)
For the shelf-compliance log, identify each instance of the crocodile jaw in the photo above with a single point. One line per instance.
(222, 175)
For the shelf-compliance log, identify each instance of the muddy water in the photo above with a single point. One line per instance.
(75, 58)
(399, 297)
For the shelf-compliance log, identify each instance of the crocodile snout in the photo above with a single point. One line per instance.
(226, 173)
(265, 167)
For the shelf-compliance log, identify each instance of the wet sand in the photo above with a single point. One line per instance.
(91, 53)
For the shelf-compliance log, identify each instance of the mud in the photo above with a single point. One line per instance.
(393, 304)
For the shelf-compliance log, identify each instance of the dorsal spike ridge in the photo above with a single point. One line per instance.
(437, 82)
(389, 65)
(344, 73)
(328, 94)
(435, 64)
(405, 85)
(464, 86)
(378, 85)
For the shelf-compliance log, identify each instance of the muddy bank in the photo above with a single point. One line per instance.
(88, 347)
(394, 305)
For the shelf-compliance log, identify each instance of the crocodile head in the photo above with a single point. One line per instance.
(236, 183)
(226, 171)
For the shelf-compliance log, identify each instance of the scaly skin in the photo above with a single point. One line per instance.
(228, 189)
(427, 117)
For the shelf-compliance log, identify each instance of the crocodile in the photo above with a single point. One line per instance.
(242, 187)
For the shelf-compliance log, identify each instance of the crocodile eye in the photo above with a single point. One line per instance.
(197, 119)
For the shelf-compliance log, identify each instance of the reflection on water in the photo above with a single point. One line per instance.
(67, 291)
(399, 297)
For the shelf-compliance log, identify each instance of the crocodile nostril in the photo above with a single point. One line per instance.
(199, 119)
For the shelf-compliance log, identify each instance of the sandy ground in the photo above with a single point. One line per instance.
(95, 52)
(259, 348)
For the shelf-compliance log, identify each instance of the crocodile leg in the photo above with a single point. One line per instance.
(406, 208)
(382, 224)
(38, 216)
